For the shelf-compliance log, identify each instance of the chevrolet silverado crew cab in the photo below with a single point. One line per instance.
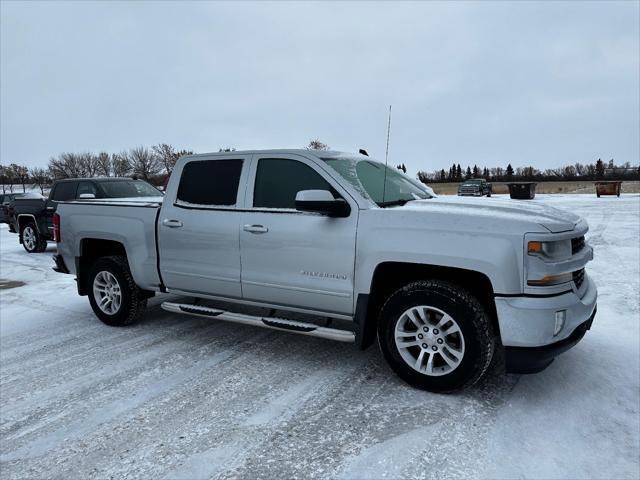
(32, 216)
(339, 246)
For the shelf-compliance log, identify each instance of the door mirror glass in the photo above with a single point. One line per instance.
(322, 201)
(87, 195)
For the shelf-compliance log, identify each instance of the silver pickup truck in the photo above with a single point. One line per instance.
(338, 246)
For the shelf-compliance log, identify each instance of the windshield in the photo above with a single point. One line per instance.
(129, 188)
(368, 178)
(473, 181)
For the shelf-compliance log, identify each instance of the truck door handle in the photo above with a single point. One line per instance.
(255, 229)
(171, 223)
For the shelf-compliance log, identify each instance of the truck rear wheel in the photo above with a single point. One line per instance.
(32, 241)
(436, 336)
(114, 296)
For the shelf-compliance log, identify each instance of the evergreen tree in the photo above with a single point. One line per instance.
(509, 171)
(599, 169)
(476, 171)
(458, 173)
(443, 175)
(468, 172)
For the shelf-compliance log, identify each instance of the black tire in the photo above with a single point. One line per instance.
(466, 310)
(35, 243)
(133, 299)
(488, 194)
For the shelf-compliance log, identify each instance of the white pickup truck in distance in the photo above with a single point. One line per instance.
(444, 284)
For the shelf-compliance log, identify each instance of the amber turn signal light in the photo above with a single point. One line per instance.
(534, 247)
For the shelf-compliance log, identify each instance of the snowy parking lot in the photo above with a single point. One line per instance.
(184, 397)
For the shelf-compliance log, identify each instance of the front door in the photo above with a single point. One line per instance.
(198, 234)
(294, 258)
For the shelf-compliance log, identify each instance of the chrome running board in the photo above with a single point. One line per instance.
(275, 323)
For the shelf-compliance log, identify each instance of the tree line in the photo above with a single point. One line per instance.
(155, 163)
(598, 170)
(150, 164)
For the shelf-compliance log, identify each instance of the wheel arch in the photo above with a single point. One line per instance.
(90, 250)
(390, 276)
(23, 218)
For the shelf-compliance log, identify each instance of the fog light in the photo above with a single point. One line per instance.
(561, 316)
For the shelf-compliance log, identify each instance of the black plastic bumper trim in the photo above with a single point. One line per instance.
(536, 359)
(60, 266)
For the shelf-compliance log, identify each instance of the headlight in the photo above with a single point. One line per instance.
(558, 250)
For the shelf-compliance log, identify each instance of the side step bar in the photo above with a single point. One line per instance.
(265, 322)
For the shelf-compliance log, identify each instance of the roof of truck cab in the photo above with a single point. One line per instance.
(297, 151)
(98, 179)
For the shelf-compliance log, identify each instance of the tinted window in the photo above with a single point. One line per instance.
(64, 191)
(278, 180)
(86, 187)
(210, 182)
(129, 188)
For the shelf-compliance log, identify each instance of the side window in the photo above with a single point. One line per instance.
(278, 180)
(86, 187)
(210, 182)
(64, 191)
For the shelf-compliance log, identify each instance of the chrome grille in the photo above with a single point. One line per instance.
(578, 277)
(577, 244)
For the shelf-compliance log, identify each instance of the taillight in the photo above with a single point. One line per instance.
(56, 227)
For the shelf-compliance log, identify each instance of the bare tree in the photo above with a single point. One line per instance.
(4, 177)
(167, 155)
(21, 174)
(227, 149)
(66, 165)
(40, 178)
(316, 144)
(103, 164)
(145, 163)
(120, 164)
(88, 164)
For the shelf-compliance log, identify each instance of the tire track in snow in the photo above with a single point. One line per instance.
(159, 346)
(116, 409)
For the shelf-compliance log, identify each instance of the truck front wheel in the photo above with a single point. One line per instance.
(436, 336)
(114, 296)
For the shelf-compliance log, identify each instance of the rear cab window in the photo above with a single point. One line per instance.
(64, 191)
(210, 183)
(87, 187)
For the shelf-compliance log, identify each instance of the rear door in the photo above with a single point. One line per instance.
(198, 227)
(293, 258)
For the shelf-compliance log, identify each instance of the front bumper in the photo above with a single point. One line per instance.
(528, 321)
(536, 359)
(527, 326)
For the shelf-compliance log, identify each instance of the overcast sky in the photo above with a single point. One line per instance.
(544, 83)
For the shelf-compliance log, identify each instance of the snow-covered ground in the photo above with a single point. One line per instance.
(181, 397)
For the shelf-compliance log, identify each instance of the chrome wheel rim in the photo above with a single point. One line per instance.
(29, 238)
(429, 340)
(107, 292)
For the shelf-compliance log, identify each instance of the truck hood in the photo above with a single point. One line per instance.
(553, 219)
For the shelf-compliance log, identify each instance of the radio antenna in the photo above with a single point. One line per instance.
(386, 157)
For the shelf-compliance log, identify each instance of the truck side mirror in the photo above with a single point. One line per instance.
(322, 201)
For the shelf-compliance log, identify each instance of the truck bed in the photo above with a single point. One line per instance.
(128, 221)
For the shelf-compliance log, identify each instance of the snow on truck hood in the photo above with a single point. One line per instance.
(553, 219)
